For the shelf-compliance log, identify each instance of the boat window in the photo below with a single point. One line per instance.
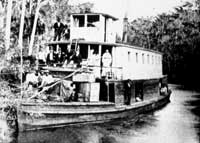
(129, 56)
(143, 58)
(92, 20)
(94, 48)
(84, 50)
(148, 60)
(73, 47)
(160, 61)
(152, 59)
(157, 60)
(79, 20)
(136, 57)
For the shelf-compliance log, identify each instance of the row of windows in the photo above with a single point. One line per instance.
(91, 20)
(146, 58)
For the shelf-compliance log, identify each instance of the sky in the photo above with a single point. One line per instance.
(133, 8)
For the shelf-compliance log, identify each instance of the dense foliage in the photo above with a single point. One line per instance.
(46, 17)
(177, 36)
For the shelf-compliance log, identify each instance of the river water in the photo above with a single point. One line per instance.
(177, 122)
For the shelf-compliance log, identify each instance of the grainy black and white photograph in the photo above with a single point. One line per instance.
(99, 71)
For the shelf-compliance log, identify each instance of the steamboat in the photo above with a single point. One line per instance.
(111, 81)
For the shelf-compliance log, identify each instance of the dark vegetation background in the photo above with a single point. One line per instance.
(177, 36)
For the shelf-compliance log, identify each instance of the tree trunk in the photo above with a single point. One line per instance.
(34, 29)
(1, 15)
(30, 6)
(8, 24)
(22, 24)
(21, 37)
(39, 5)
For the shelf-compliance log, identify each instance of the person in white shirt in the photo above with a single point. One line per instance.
(32, 80)
(46, 79)
(41, 56)
(51, 57)
(106, 60)
(93, 59)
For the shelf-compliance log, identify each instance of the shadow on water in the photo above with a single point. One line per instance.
(194, 105)
(110, 132)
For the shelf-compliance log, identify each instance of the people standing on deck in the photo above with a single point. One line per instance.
(69, 56)
(32, 80)
(106, 60)
(77, 58)
(51, 57)
(93, 59)
(70, 53)
(58, 29)
(41, 56)
(163, 89)
(40, 30)
(59, 57)
(46, 79)
(66, 32)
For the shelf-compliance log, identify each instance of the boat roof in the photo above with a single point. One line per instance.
(102, 43)
(96, 13)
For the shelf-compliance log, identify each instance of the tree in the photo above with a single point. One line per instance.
(2, 16)
(22, 24)
(39, 5)
(34, 9)
(8, 24)
(177, 36)
(139, 31)
(51, 9)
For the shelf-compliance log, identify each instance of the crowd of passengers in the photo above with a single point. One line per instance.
(71, 57)
(60, 58)
(38, 79)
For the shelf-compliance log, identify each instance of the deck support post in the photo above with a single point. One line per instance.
(89, 54)
(107, 84)
(85, 21)
(100, 52)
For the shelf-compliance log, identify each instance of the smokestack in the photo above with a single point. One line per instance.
(125, 24)
(125, 29)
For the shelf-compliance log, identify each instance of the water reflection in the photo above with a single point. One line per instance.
(178, 122)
